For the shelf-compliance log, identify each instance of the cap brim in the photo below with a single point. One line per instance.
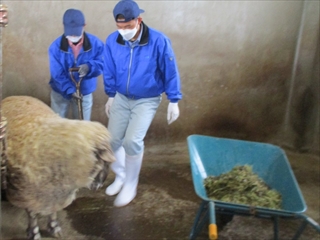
(73, 31)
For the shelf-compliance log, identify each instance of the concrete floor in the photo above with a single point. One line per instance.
(165, 206)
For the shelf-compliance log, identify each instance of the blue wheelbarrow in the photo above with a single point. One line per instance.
(211, 156)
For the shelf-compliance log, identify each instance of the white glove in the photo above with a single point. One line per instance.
(173, 112)
(83, 70)
(108, 106)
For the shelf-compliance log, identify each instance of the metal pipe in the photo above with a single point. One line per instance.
(3, 23)
(3, 125)
(294, 69)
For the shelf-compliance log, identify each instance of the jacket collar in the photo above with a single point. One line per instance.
(144, 36)
(64, 45)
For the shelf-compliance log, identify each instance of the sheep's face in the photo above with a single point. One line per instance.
(100, 177)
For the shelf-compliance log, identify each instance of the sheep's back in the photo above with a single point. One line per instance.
(18, 107)
(66, 149)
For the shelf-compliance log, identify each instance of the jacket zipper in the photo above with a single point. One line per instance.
(130, 64)
(76, 59)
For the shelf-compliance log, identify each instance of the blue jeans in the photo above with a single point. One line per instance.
(129, 122)
(61, 105)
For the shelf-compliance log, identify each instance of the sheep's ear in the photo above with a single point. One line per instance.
(108, 157)
(105, 154)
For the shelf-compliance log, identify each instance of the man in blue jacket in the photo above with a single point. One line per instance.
(139, 65)
(74, 49)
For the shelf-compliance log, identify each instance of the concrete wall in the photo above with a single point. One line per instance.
(301, 123)
(236, 60)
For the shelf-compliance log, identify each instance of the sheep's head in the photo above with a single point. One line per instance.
(99, 173)
(99, 141)
(100, 177)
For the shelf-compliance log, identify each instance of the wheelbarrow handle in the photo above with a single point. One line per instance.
(213, 230)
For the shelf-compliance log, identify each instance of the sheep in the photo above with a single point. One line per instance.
(50, 158)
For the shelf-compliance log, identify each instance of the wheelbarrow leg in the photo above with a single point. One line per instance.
(307, 220)
(300, 230)
(200, 220)
(276, 227)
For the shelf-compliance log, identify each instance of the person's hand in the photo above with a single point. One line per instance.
(83, 70)
(76, 96)
(108, 106)
(173, 112)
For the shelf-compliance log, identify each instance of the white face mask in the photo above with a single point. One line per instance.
(128, 34)
(74, 39)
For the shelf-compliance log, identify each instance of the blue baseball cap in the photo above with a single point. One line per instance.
(128, 8)
(73, 21)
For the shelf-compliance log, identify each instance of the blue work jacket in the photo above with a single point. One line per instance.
(61, 59)
(145, 70)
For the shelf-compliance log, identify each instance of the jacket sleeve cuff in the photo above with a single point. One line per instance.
(89, 66)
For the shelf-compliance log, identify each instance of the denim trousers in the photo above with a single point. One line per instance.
(60, 105)
(129, 122)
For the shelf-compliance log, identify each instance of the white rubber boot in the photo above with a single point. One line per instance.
(129, 189)
(118, 167)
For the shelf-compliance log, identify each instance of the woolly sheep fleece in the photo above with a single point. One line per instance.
(49, 157)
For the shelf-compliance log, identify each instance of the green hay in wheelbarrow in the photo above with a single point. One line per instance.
(215, 156)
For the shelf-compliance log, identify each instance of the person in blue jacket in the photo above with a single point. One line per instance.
(139, 65)
(74, 49)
